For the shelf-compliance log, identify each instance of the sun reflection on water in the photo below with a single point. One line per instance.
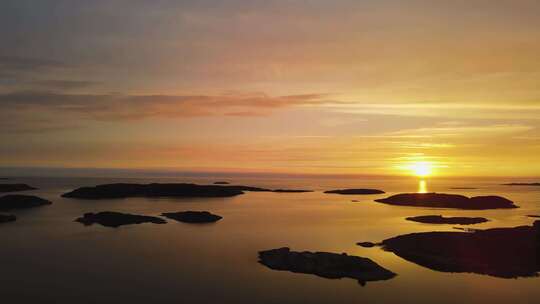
(422, 186)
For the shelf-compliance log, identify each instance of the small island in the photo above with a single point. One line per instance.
(117, 219)
(500, 252)
(439, 219)
(5, 218)
(195, 217)
(355, 191)
(18, 201)
(15, 187)
(221, 183)
(522, 184)
(442, 200)
(366, 244)
(325, 264)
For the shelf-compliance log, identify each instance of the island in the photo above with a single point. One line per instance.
(439, 219)
(121, 190)
(533, 216)
(442, 200)
(126, 190)
(366, 244)
(18, 201)
(4, 218)
(325, 264)
(355, 191)
(117, 219)
(522, 184)
(500, 252)
(196, 217)
(221, 183)
(15, 187)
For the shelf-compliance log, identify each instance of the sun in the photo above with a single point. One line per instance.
(421, 169)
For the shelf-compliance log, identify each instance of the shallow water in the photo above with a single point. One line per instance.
(48, 258)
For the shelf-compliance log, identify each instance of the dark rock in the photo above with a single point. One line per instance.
(291, 191)
(325, 264)
(534, 216)
(522, 184)
(4, 218)
(355, 191)
(116, 219)
(439, 219)
(15, 187)
(221, 183)
(193, 216)
(355, 201)
(109, 191)
(441, 200)
(500, 252)
(18, 201)
(366, 244)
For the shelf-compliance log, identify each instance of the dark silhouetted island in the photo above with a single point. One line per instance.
(522, 184)
(4, 218)
(366, 244)
(534, 216)
(15, 187)
(325, 264)
(109, 191)
(18, 201)
(124, 190)
(355, 191)
(500, 252)
(117, 219)
(221, 183)
(441, 200)
(197, 217)
(439, 219)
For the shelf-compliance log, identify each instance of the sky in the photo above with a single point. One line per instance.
(314, 87)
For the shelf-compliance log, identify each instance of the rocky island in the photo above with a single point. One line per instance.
(15, 187)
(355, 191)
(442, 200)
(325, 264)
(117, 219)
(221, 183)
(522, 184)
(4, 218)
(439, 219)
(499, 252)
(196, 217)
(17, 201)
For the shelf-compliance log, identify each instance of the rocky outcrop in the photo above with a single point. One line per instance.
(325, 264)
(18, 201)
(193, 217)
(522, 184)
(117, 219)
(439, 219)
(442, 200)
(15, 187)
(500, 252)
(355, 191)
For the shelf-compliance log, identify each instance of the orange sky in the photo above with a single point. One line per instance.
(354, 87)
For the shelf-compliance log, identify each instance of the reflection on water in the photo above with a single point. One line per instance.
(422, 186)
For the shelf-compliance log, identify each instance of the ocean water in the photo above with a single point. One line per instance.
(46, 257)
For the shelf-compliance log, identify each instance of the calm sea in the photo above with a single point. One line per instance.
(46, 257)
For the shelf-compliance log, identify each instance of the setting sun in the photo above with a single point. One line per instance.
(421, 169)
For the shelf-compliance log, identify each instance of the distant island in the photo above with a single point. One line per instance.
(442, 200)
(17, 201)
(15, 187)
(125, 190)
(355, 191)
(194, 217)
(439, 219)
(117, 219)
(221, 183)
(522, 184)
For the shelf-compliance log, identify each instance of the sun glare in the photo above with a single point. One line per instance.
(421, 169)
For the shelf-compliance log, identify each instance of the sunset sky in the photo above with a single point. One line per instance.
(312, 87)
